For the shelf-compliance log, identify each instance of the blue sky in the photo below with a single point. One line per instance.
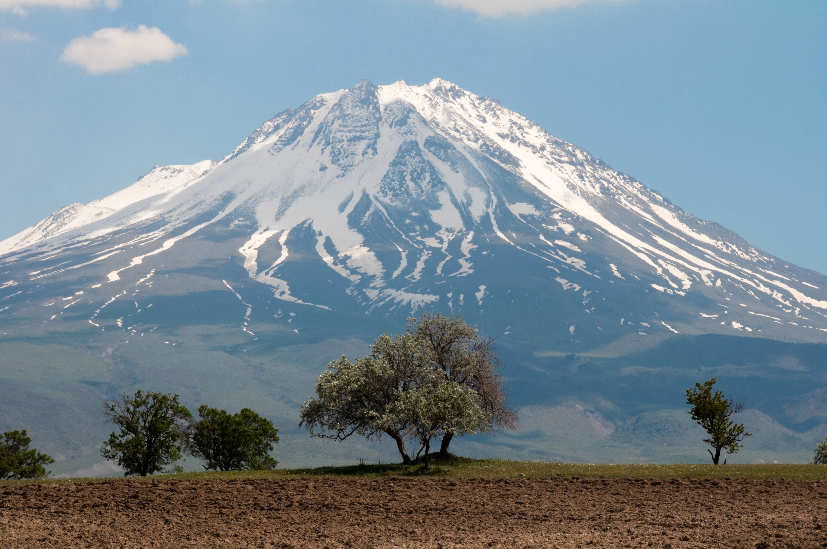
(720, 106)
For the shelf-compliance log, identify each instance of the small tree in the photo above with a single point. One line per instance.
(17, 460)
(820, 457)
(152, 431)
(231, 442)
(713, 411)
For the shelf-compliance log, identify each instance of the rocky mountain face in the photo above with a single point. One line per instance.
(237, 280)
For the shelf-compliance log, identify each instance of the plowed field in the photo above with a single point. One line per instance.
(415, 512)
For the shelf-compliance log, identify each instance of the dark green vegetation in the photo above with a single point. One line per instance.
(230, 442)
(151, 435)
(438, 379)
(17, 460)
(820, 457)
(155, 429)
(713, 411)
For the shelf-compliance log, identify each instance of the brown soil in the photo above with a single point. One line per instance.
(415, 512)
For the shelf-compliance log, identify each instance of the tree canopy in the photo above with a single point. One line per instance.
(467, 358)
(152, 431)
(230, 442)
(17, 460)
(713, 411)
(436, 379)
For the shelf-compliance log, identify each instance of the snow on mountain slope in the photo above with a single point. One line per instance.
(409, 197)
(160, 183)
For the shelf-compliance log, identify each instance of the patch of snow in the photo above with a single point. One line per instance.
(669, 291)
(567, 285)
(410, 299)
(420, 266)
(763, 315)
(670, 328)
(447, 216)
(480, 294)
(146, 279)
(568, 245)
(465, 265)
(566, 228)
(248, 311)
(403, 262)
(15, 294)
(522, 208)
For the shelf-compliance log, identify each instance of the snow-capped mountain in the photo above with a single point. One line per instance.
(365, 205)
(405, 194)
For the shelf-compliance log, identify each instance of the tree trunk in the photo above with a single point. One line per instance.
(427, 458)
(443, 446)
(400, 445)
(716, 457)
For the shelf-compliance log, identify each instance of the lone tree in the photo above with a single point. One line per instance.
(231, 442)
(435, 380)
(17, 460)
(152, 431)
(820, 457)
(713, 411)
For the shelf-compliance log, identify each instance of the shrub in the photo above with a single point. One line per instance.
(17, 460)
(230, 442)
(820, 457)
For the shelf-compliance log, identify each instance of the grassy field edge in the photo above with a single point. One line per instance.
(466, 468)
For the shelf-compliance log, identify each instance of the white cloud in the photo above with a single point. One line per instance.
(20, 6)
(118, 49)
(499, 8)
(10, 35)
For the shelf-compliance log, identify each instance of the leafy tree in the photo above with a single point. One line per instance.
(152, 431)
(713, 411)
(17, 460)
(435, 405)
(361, 397)
(820, 457)
(467, 358)
(231, 442)
(436, 379)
